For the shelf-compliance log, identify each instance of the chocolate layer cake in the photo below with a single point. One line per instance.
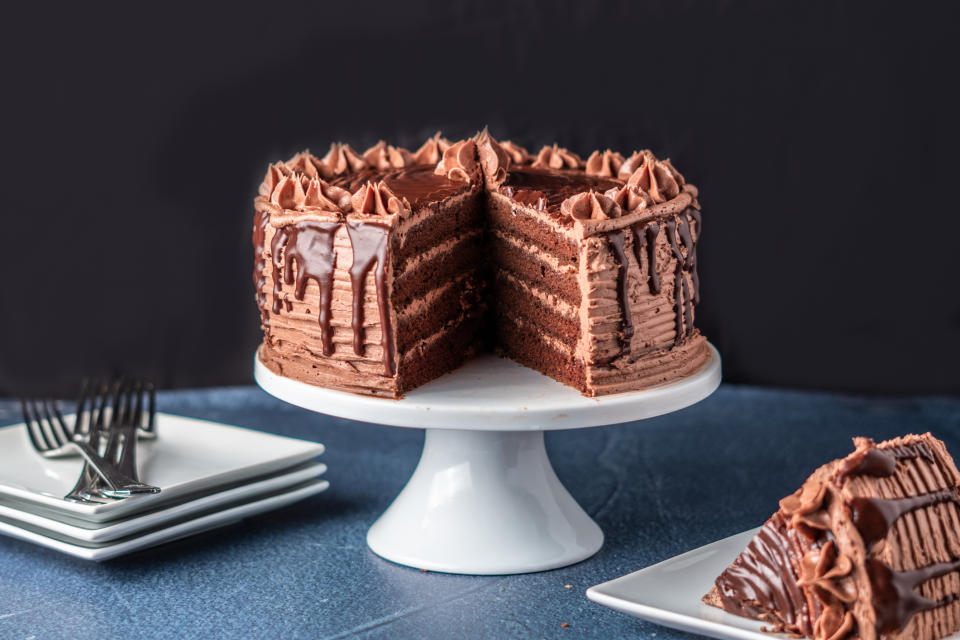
(868, 548)
(378, 271)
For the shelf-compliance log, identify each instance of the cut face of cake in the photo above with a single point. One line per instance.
(379, 271)
(868, 548)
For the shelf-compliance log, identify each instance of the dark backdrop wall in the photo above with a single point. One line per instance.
(823, 137)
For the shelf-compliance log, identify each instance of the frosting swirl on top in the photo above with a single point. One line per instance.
(493, 159)
(275, 173)
(378, 199)
(656, 177)
(384, 156)
(556, 157)
(288, 192)
(605, 164)
(518, 155)
(341, 159)
(590, 206)
(326, 197)
(459, 161)
(300, 192)
(305, 163)
(431, 152)
(630, 199)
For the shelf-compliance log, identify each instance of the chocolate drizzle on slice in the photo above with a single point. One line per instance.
(873, 517)
(762, 581)
(616, 239)
(882, 462)
(894, 598)
(369, 243)
(309, 245)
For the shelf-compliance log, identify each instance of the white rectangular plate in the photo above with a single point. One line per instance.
(669, 593)
(188, 457)
(174, 532)
(88, 532)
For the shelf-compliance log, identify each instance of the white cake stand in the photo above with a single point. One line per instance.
(484, 499)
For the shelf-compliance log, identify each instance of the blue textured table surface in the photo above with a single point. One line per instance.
(657, 488)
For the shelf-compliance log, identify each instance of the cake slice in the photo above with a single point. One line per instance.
(868, 548)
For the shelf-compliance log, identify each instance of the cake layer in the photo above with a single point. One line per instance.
(525, 343)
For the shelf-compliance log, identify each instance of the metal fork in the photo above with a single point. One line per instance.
(126, 421)
(50, 436)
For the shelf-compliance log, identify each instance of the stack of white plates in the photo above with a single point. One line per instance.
(210, 475)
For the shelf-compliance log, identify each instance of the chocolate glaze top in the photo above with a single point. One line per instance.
(418, 183)
(553, 185)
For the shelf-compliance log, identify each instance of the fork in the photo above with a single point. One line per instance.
(50, 436)
(126, 420)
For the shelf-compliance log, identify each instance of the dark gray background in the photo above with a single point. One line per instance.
(823, 137)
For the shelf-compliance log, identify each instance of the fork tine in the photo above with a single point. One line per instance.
(46, 422)
(119, 391)
(81, 423)
(102, 396)
(57, 424)
(136, 417)
(37, 439)
(151, 409)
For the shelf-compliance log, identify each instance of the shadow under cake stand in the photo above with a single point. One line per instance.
(484, 499)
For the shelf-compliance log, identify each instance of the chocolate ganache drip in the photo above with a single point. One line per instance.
(369, 243)
(685, 301)
(309, 246)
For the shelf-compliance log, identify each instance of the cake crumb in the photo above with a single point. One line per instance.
(424, 570)
(564, 625)
(568, 586)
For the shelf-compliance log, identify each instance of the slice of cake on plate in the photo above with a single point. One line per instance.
(379, 271)
(868, 548)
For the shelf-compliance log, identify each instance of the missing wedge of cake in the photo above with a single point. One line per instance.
(379, 271)
(868, 548)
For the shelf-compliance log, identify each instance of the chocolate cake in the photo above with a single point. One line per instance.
(379, 271)
(868, 547)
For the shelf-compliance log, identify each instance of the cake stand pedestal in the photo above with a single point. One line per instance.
(484, 499)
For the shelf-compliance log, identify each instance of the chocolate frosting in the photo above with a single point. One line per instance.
(554, 157)
(378, 199)
(383, 156)
(431, 152)
(656, 177)
(518, 155)
(305, 163)
(630, 198)
(459, 161)
(275, 173)
(321, 196)
(493, 159)
(341, 159)
(288, 193)
(590, 206)
(606, 164)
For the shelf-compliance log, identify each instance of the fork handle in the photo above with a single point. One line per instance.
(118, 484)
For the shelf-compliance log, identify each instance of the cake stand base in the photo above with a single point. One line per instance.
(482, 503)
(484, 498)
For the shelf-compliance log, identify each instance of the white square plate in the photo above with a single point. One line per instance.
(669, 593)
(168, 534)
(90, 532)
(188, 457)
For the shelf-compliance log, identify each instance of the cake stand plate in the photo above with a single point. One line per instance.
(484, 499)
